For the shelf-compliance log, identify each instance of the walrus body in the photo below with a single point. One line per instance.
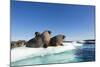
(46, 36)
(57, 40)
(35, 42)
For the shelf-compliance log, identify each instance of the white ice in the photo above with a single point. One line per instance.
(25, 52)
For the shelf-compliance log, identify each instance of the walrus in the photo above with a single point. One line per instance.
(46, 36)
(19, 43)
(36, 41)
(57, 40)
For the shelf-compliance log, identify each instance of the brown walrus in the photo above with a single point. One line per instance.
(57, 40)
(46, 36)
(36, 41)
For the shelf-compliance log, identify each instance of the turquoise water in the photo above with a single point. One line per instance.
(81, 54)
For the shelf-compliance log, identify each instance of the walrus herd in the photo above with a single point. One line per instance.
(44, 40)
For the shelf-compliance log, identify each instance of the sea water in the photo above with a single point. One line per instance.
(81, 53)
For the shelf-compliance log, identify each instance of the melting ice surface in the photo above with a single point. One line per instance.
(34, 56)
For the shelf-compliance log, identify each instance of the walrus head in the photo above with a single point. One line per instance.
(37, 33)
(49, 32)
(64, 36)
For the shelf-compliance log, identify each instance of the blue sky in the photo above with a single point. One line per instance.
(76, 22)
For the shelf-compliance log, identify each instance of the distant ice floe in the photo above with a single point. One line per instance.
(74, 43)
(25, 52)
